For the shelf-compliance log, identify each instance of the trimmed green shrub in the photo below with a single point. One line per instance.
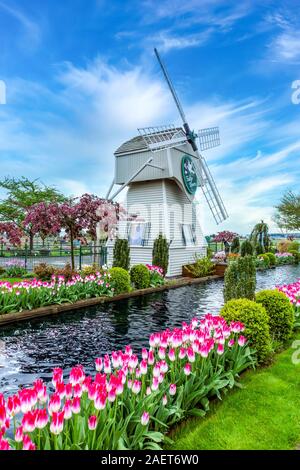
(294, 246)
(44, 271)
(256, 321)
(272, 258)
(280, 312)
(240, 279)
(91, 270)
(140, 276)
(235, 245)
(201, 268)
(160, 253)
(246, 248)
(66, 271)
(119, 280)
(296, 255)
(121, 254)
(265, 259)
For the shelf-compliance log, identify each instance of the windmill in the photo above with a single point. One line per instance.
(163, 166)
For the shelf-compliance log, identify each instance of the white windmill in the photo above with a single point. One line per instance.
(162, 169)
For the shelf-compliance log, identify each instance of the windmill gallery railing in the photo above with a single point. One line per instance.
(57, 255)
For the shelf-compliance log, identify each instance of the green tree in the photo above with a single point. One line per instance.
(260, 238)
(22, 193)
(287, 214)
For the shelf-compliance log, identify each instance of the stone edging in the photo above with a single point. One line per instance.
(9, 318)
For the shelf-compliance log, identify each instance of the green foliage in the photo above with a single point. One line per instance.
(272, 258)
(256, 321)
(288, 212)
(265, 259)
(240, 279)
(67, 272)
(22, 193)
(120, 280)
(246, 248)
(44, 271)
(140, 276)
(294, 246)
(260, 237)
(2, 270)
(235, 245)
(202, 267)
(91, 270)
(160, 253)
(280, 312)
(296, 255)
(121, 254)
(259, 249)
(15, 270)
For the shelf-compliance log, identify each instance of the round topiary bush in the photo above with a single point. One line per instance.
(280, 312)
(296, 256)
(266, 259)
(120, 280)
(272, 258)
(140, 276)
(256, 321)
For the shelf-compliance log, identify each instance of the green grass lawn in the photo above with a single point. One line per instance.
(13, 279)
(264, 414)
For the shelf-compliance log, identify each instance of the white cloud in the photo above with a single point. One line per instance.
(31, 28)
(286, 46)
(167, 41)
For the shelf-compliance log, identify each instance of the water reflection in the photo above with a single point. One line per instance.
(33, 348)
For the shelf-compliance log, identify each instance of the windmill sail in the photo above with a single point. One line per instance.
(208, 138)
(210, 191)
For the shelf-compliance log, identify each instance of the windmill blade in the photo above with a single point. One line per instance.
(162, 137)
(210, 191)
(209, 138)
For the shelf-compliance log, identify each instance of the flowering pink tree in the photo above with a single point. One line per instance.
(225, 236)
(79, 217)
(10, 232)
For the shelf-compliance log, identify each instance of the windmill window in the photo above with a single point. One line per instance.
(138, 234)
(188, 236)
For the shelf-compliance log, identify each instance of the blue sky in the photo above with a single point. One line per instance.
(81, 76)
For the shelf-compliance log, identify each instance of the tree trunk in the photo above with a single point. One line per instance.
(72, 250)
(31, 241)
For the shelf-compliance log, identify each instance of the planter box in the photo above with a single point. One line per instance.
(186, 272)
(220, 269)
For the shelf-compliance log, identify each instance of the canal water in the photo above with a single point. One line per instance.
(32, 349)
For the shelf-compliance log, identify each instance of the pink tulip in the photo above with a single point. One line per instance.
(57, 423)
(67, 409)
(171, 355)
(172, 390)
(136, 387)
(75, 405)
(187, 369)
(145, 418)
(165, 400)
(41, 418)
(19, 434)
(220, 349)
(92, 423)
(242, 340)
(99, 364)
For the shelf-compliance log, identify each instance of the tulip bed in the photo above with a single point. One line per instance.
(29, 295)
(292, 291)
(130, 402)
